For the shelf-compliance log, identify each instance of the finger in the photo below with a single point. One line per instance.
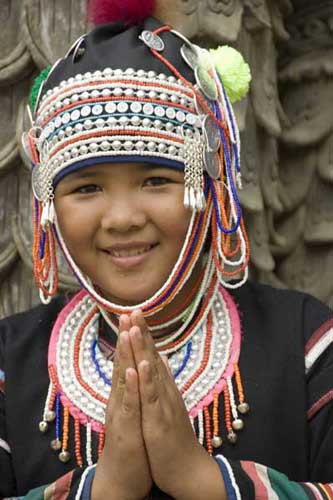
(167, 366)
(139, 321)
(131, 399)
(125, 360)
(149, 391)
(124, 323)
(142, 351)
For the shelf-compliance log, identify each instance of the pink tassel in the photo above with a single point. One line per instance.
(131, 12)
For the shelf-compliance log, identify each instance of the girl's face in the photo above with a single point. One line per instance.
(124, 225)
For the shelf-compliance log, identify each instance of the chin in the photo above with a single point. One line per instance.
(124, 298)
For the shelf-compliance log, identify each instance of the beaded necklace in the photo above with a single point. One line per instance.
(203, 361)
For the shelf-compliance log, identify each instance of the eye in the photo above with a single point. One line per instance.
(87, 189)
(157, 181)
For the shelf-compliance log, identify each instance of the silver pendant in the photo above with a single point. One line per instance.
(190, 55)
(37, 183)
(212, 134)
(206, 82)
(152, 41)
(212, 164)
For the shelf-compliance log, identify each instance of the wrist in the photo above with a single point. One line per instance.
(204, 481)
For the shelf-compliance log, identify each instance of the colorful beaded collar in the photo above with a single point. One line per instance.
(204, 363)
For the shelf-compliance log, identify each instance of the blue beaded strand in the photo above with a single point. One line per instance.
(57, 408)
(98, 368)
(186, 358)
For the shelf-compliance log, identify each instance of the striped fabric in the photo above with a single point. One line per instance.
(318, 343)
(59, 490)
(269, 484)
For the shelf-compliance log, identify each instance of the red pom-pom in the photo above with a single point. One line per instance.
(131, 12)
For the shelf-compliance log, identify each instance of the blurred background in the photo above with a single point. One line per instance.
(286, 124)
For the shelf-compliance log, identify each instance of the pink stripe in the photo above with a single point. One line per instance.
(319, 404)
(63, 486)
(260, 488)
(314, 491)
(318, 334)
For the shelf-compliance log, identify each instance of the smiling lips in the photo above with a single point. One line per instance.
(129, 255)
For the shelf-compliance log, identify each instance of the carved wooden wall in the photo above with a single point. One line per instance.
(286, 123)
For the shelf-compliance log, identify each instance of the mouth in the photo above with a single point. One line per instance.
(127, 258)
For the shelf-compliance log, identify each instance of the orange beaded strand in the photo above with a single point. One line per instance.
(78, 443)
(64, 455)
(208, 432)
(101, 442)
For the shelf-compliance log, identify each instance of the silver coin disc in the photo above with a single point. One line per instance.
(212, 164)
(152, 41)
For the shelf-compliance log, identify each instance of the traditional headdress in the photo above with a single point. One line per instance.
(136, 90)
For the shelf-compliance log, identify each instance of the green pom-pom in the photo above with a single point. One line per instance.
(234, 72)
(37, 85)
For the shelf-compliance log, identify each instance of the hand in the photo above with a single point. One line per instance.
(180, 466)
(123, 472)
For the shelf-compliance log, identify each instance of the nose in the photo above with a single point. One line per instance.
(122, 213)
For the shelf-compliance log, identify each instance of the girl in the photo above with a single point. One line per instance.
(141, 385)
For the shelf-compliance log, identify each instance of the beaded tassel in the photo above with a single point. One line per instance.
(208, 431)
(65, 455)
(78, 443)
(243, 407)
(56, 444)
(88, 445)
(232, 437)
(194, 197)
(217, 440)
(201, 432)
(101, 442)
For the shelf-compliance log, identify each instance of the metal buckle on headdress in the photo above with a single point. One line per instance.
(152, 40)
(77, 48)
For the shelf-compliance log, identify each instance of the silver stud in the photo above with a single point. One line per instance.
(174, 99)
(118, 92)
(232, 437)
(243, 408)
(93, 147)
(148, 109)
(140, 146)
(151, 74)
(162, 147)
(78, 77)
(122, 107)
(116, 145)
(136, 107)
(58, 122)
(124, 120)
(141, 73)
(83, 150)
(106, 93)
(88, 124)
(172, 151)
(164, 97)
(97, 109)
(74, 98)
(64, 457)
(112, 121)
(238, 424)
(118, 72)
(171, 113)
(97, 73)
(158, 124)
(71, 80)
(129, 71)
(67, 156)
(107, 72)
(110, 107)
(75, 115)
(135, 120)
(56, 445)
(85, 95)
(128, 145)
(151, 146)
(74, 152)
(43, 426)
(172, 79)
(169, 127)
(105, 145)
(159, 111)
(87, 75)
(146, 122)
(162, 77)
(180, 116)
(129, 92)
(217, 441)
(78, 127)
(191, 119)
(68, 131)
(100, 123)
(66, 102)
(66, 117)
(141, 94)
(152, 94)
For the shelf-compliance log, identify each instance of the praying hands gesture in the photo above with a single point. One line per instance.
(149, 437)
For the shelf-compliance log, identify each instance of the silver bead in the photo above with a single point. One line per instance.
(64, 457)
(97, 110)
(74, 98)
(110, 107)
(171, 113)
(140, 146)
(106, 92)
(105, 146)
(84, 96)
(163, 97)
(100, 123)
(217, 441)
(118, 72)
(243, 408)
(159, 111)
(129, 92)
(162, 149)
(75, 115)
(141, 94)
(83, 150)
(232, 437)
(146, 122)
(74, 153)
(180, 116)
(66, 102)
(148, 109)
(169, 127)
(66, 117)
(112, 121)
(158, 124)
(68, 131)
(95, 94)
(93, 147)
(238, 424)
(128, 145)
(151, 146)
(43, 426)
(118, 92)
(56, 445)
(151, 74)
(67, 156)
(135, 120)
(136, 107)
(78, 127)
(172, 151)
(50, 416)
(124, 120)
(107, 72)
(129, 71)
(152, 94)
